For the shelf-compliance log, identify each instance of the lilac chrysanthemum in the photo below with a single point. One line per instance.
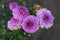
(30, 24)
(13, 24)
(12, 5)
(46, 18)
(20, 12)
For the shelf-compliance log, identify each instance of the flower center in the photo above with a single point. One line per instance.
(45, 17)
(29, 24)
(21, 11)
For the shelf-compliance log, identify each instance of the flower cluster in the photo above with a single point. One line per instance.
(29, 23)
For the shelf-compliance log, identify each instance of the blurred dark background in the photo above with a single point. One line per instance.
(54, 32)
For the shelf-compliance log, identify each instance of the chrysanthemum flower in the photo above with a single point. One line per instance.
(20, 12)
(30, 24)
(12, 5)
(46, 18)
(13, 24)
